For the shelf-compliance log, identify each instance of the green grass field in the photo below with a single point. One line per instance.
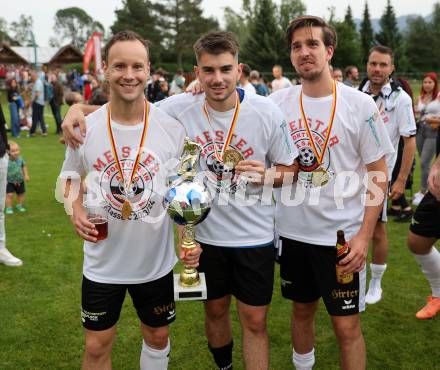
(40, 325)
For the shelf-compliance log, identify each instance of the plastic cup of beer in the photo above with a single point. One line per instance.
(97, 215)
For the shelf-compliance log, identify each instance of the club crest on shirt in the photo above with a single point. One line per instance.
(140, 192)
(218, 174)
(308, 163)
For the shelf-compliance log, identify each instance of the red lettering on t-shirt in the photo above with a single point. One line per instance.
(247, 153)
(219, 136)
(108, 156)
(333, 141)
(240, 144)
(207, 137)
(126, 151)
(99, 165)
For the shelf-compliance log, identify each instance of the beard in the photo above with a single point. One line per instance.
(310, 76)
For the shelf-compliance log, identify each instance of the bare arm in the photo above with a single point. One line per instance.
(25, 173)
(377, 187)
(409, 150)
(75, 117)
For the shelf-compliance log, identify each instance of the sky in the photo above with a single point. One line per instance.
(43, 11)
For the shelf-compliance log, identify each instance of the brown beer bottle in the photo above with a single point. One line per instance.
(342, 249)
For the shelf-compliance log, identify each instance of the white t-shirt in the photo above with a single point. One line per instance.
(396, 109)
(141, 248)
(260, 134)
(358, 137)
(249, 88)
(280, 83)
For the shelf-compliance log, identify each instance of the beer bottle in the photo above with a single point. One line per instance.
(342, 249)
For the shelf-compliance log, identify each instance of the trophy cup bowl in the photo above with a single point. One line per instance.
(188, 202)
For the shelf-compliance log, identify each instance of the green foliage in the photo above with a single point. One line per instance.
(366, 34)
(348, 50)
(289, 10)
(141, 16)
(260, 28)
(419, 44)
(263, 48)
(236, 24)
(348, 19)
(390, 36)
(76, 26)
(183, 23)
(21, 29)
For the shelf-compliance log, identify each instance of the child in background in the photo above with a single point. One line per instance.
(17, 175)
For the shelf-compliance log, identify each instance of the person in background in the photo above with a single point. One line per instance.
(14, 106)
(279, 81)
(178, 83)
(337, 74)
(56, 100)
(244, 80)
(427, 106)
(351, 76)
(37, 105)
(258, 83)
(17, 176)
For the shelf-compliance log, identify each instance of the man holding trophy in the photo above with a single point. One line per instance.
(124, 156)
(241, 136)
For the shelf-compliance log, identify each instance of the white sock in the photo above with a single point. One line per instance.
(154, 359)
(430, 264)
(303, 361)
(377, 272)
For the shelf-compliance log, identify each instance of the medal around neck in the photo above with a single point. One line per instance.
(188, 203)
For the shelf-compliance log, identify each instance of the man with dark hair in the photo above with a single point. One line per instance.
(351, 74)
(244, 80)
(237, 238)
(339, 135)
(396, 109)
(125, 151)
(245, 146)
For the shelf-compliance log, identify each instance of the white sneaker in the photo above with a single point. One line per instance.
(417, 198)
(8, 259)
(374, 293)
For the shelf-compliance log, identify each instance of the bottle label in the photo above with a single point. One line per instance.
(342, 278)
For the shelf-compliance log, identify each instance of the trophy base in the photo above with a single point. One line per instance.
(195, 293)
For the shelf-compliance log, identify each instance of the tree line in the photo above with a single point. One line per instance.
(172, 26)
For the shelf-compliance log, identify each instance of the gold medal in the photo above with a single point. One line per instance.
(126, 209)
(320, 177)
(232, 157)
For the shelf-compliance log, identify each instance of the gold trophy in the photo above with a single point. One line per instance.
(188, 203)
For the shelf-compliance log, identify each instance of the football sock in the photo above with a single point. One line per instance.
(154, 359)
(303, 361)
(430, 264)
(222, 356)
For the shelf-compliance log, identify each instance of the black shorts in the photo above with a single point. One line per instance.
(246, 273)
(101, 303)
(15, 187)
(308, 272)
(426, 219)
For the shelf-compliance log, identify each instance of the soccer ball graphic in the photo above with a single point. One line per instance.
(307, 158)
